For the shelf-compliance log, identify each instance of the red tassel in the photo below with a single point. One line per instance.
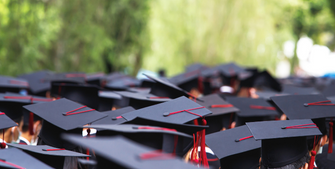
(311, 162)
(203, 145)
(31, 123)
(330, 145)
(88, 150)
(2, 145)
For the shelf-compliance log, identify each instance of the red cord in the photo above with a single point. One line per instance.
(262, 107)
(11, 164)
(319, 103)
(302, 126)
(70, 112)
(221, 105)
(58, 149)
(244, 138)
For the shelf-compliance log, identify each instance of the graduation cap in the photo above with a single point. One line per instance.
(295, 90)
(222, 112)
(81, 93)
(236, 148)
(120, 152)
(15, 158)
(51, 156)
(62, 116)
(188, 80)
(114, 116)
(194, 67)
(107, 99)
(141, 100)
(283, 142)
(252, 110)
(37, 85)
(147, 83)
(315, 107)
(264, 79)
(119, 81)
(11, 84)
(166, 89)
(5, 122)
(12, 107)
(179, 111)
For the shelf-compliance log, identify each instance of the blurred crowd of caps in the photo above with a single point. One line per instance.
(119, 104)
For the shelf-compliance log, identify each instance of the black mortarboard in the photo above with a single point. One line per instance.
(194, 67)
(141, 100)
(119, 81)
(147, 83)
(283, 142)
(171, 111)
(107, 99)
(295, 90)
(164, 88)
(114, 116)
(81, 93)
(15, 158)
(222, 112)
(120, 152)
(152, 136)
(307, 107)
(252, 109)
(52, 156)
(5, 121)
(62, 116)
(12, 108)
(37, 85)
(11, 84)
(188, 80)
(236, 148)
(264, 79)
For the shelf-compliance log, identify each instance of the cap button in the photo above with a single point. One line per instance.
(114, 118)
(306, 104)
(64, 114)
(237, 140)
(166, 114)
(283, 127)
(134, 127)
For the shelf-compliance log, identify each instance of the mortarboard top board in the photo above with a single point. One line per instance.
(5, 121)
(120, 152)
(252, 110)
(52, 156)
(295, 90)
(81, 93)
(141, 100)
(62, 116)
(75, 78)
(283, 142)
(164, 88)
(28, 99)
(147, 83)
(222, 112)
(37, 85)
(264, 79)
(114, 116)
(15, 158)
(162, 112)
(235, 148)
(187, 80)
(13, 109)
(329, 90)
(294, 106)
(231, 70)
(11, 84)
(253, 107)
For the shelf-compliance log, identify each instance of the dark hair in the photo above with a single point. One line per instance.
(297, 164)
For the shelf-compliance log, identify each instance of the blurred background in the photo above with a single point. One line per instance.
(286, 37)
